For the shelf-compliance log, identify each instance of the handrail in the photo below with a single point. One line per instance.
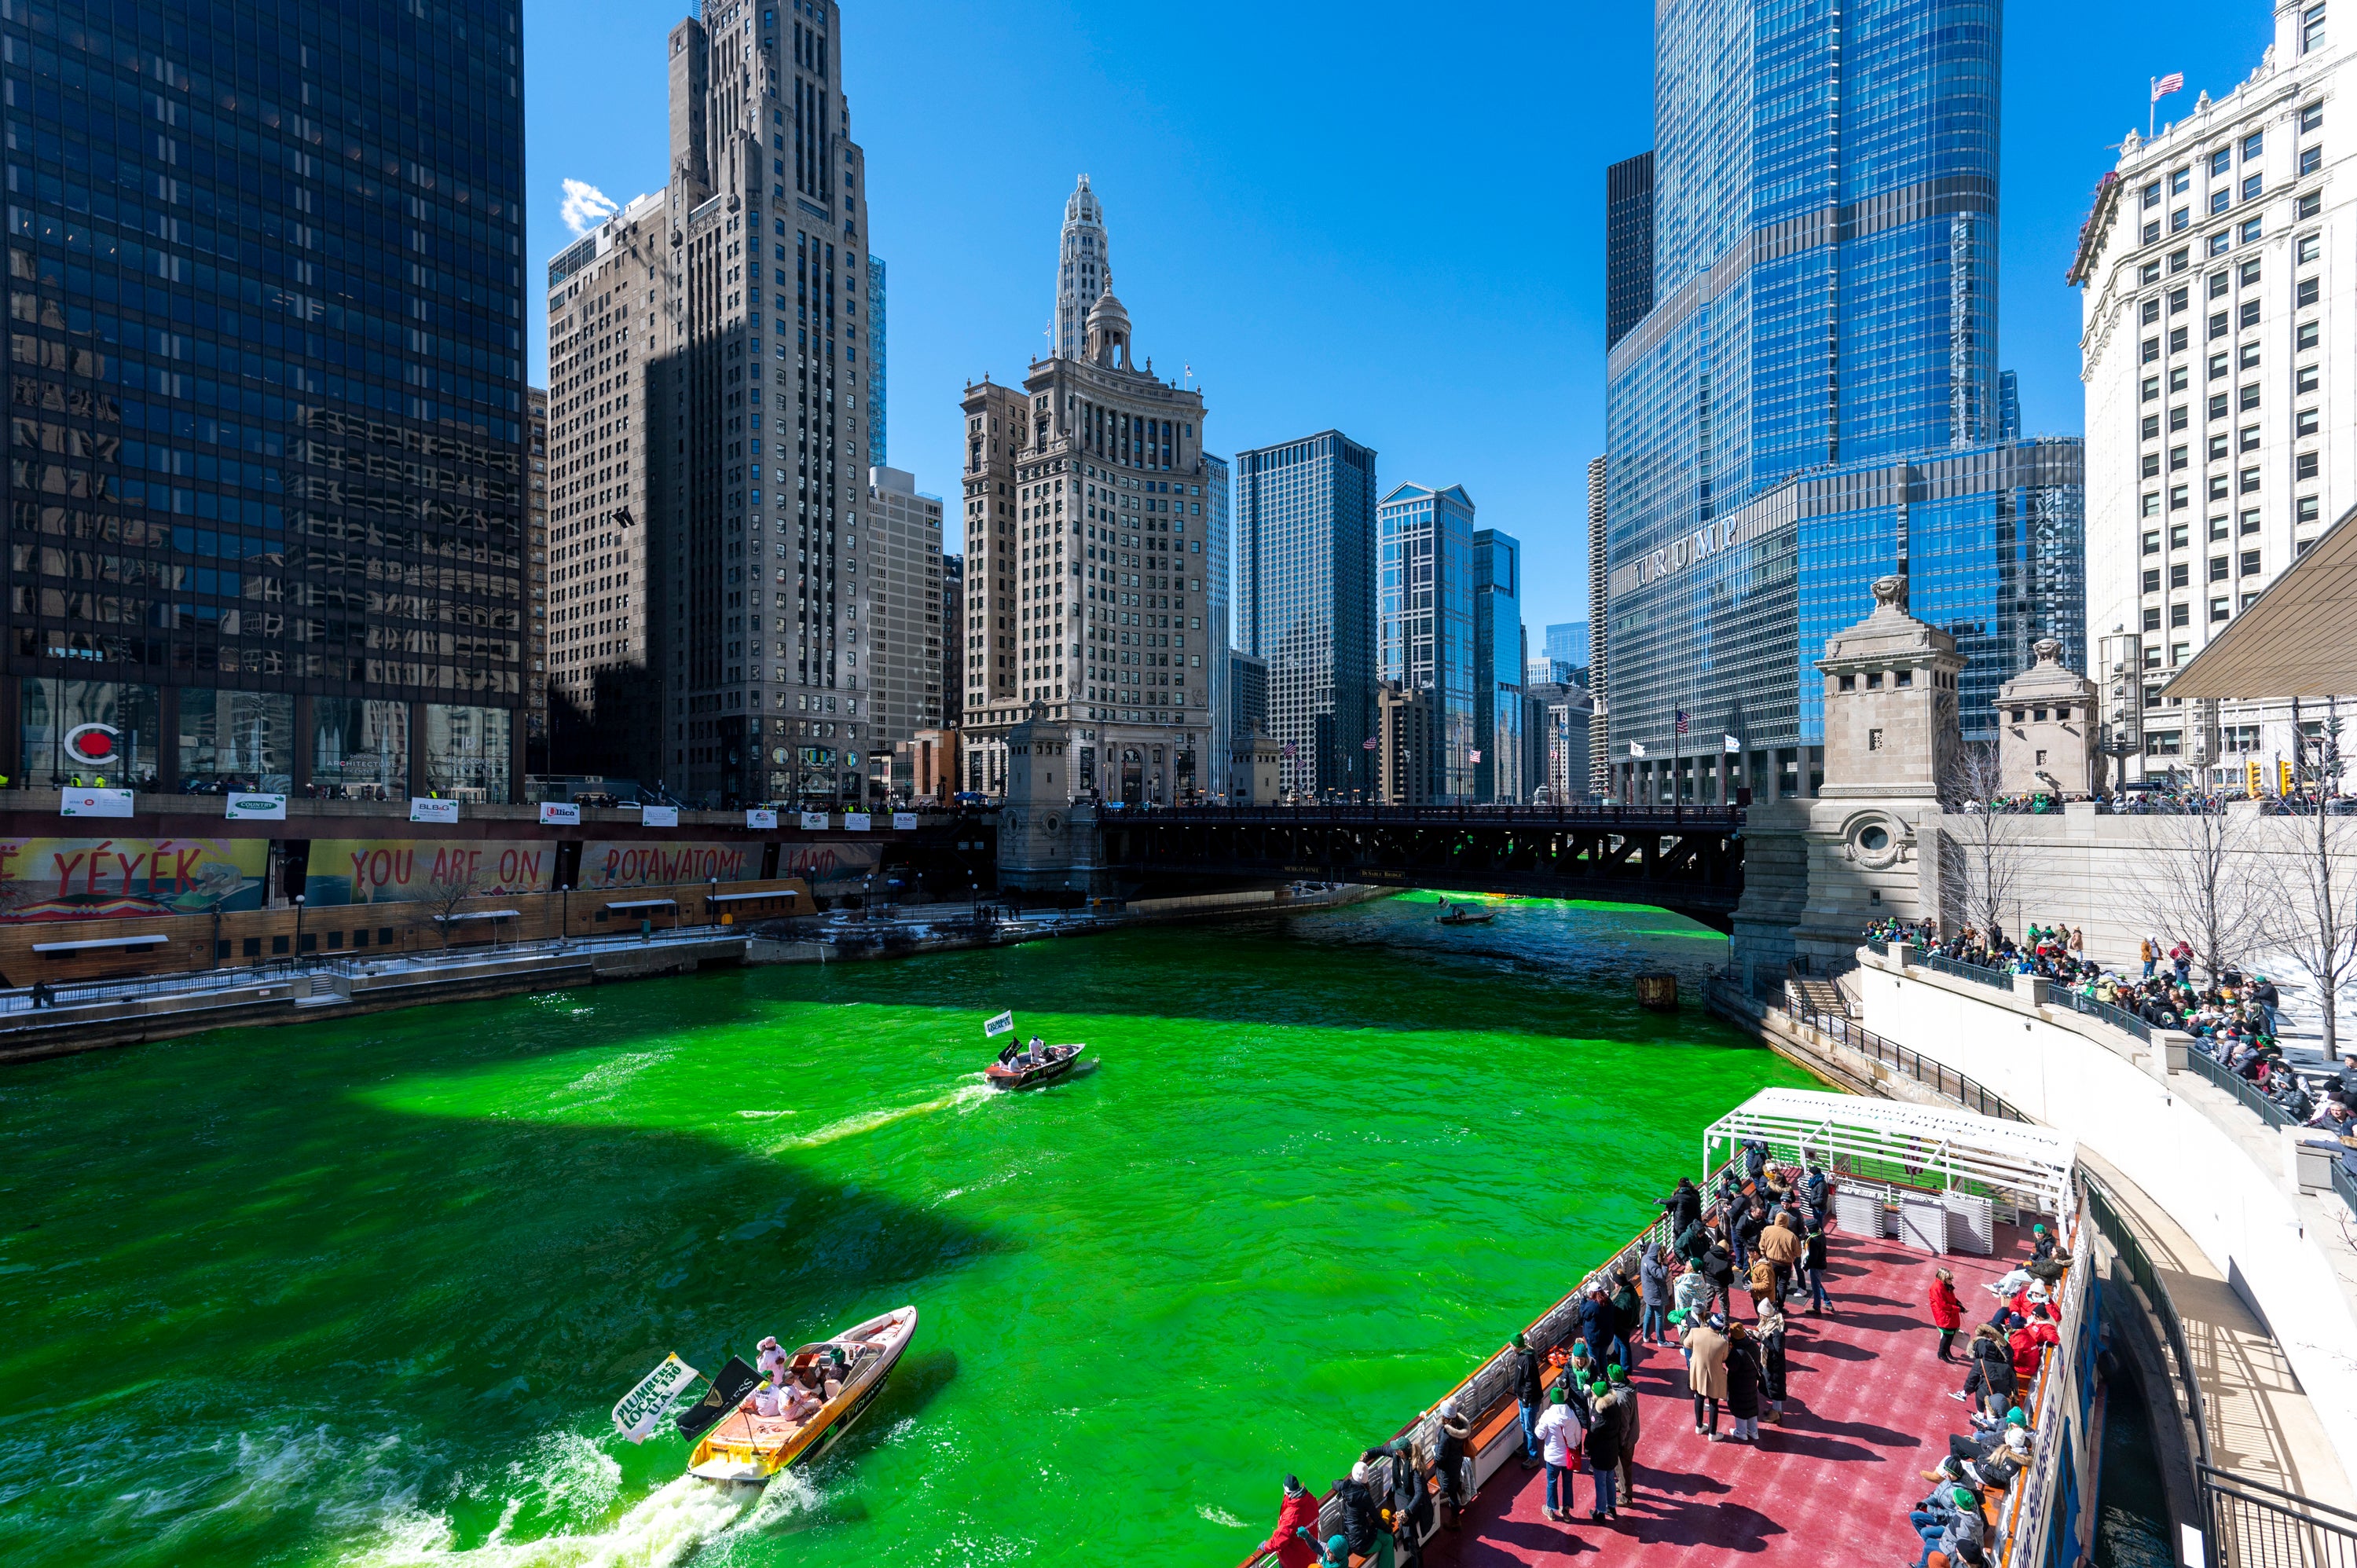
(2130, 1247)
(1937, 1075)
(2118, 1017)
(2233, 1083)
(1979, 973)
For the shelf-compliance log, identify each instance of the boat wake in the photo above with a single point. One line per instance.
(667, 1527)
(962, 1098)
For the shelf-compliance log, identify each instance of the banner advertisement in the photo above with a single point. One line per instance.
(729, 1387)
(254, 807)
(856, 821)
(405, 871)
(760, 817)
(902, 820)
(814, 822)
(559, 814)
(660, 816)
(76, 879)
(422, 810)
(94, 803)
(830, 868)
(638, 1412)
(605, 866)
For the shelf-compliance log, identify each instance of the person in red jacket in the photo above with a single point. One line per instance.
(1300, 1508)
(1947, 1311)
(2028, 1338)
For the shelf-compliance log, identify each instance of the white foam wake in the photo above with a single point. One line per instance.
(959, 1098)
(662, 1529)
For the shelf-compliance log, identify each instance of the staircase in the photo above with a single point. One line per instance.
(1810, 995)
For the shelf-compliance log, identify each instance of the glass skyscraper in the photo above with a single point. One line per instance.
(1813, 398)
(1305, 603)
(1498, 667)
(1424, 591)
(266, 493)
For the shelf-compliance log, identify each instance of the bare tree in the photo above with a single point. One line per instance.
(2315, 890)
(2203, 886)
(440, 900)
(1986, 847)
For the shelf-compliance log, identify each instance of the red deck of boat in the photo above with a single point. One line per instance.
(1867, 1411)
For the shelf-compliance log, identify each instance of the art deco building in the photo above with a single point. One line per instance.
(954, 641)
(1087, 562)
(1083, 269)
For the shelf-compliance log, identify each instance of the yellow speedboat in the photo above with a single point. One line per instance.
(846, 1373)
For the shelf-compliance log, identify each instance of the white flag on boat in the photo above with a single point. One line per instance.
(1002, 1024)
(638, 1411)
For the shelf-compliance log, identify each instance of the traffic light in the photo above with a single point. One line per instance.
(2253, 779)
(2283, 772)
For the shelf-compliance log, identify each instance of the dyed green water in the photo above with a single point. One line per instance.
(362, 1293)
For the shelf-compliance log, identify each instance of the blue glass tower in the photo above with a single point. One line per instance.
(267, 501)
(1813, 398)
(1426, 602)
(1306, 602)
(1498, 667)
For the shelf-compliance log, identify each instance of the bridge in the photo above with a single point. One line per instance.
(1689, 862)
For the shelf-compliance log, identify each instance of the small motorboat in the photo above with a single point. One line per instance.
(1031, 1071)
(1465, 915)
(745, 1449)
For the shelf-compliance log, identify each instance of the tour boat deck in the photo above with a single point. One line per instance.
(1867, 1411)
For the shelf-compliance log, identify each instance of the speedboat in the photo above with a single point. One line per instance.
(1465, 915)
(1029, 1071)
(745, 1449)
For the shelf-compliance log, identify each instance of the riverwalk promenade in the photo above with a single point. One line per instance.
(1866, 1412)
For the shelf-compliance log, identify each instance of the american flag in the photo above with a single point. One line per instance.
(2162, 87)
(1681, 721)
(1368, 744)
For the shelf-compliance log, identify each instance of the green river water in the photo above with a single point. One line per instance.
(362, 1292)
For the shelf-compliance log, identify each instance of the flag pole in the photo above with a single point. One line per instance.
(2151, 99)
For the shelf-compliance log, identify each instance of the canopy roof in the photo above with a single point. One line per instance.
(2299, 638)
(2020, 1157)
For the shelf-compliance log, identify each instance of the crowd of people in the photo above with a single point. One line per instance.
(1757, 1239)
(2235, 1019)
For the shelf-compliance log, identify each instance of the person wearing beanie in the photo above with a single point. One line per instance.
(1706, 1347)
(1561, 1433)
(1530, 1381)
(1359, 1509)
(1769, 1334)
(1297, 1525)
(1409, 1507)
(1743, 1383)
(1604, 1451)
(1451, 1431)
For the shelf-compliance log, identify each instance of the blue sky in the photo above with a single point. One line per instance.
(1385, 219)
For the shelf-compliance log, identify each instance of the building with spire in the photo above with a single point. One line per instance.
(1088, 561)
(1083, 269)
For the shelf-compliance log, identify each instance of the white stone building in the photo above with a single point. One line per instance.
(2218, 350)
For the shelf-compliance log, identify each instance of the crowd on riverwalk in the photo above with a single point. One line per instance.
(2235, 1019)
(1720, 1281)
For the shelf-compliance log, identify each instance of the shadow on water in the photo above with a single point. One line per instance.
(324, 1297)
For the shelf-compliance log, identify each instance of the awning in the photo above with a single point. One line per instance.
(482, 915)
(1842, 1129)
(645, 904)
(2296, 639)
(98, 942)
(733, 898)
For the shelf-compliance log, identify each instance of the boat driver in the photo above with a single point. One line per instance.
(1036, 1049)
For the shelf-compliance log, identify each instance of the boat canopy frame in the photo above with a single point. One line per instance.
(2016, 1157)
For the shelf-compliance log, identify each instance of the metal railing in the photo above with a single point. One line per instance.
(1877, 947)
(2118, 1017)
(2138, 1264)
(2345, 1184)
(1936, 1076)
(2233, 1083)
(2002, 978)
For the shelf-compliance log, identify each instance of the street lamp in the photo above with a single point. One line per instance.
(298, 931)
(565, 931)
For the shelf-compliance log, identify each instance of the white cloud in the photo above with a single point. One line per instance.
(586, 206)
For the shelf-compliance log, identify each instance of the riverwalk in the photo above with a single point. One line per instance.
(1866, 1412)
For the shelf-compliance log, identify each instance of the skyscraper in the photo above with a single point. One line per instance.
(877, 361)
(1600, 766)
(1219, 619)
(1089, 562)
(763, 569)
(1566, 640)
(904, 626)
(1083, 270)
(1306, 543)
(536, 668)
(1424, 611)
(267, 491)
(1499, 774)
(1812, 400)
(1628, 245)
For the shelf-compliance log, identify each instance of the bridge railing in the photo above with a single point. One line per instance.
(1646, 817)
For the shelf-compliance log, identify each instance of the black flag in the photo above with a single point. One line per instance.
(729, 1387)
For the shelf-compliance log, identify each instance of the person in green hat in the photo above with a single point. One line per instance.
(1604, 1452)
(1530, 1382)
(1560, 1436)
(1631, 1412)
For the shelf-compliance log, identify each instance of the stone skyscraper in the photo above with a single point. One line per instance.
(1082, 270)
(1088, 559)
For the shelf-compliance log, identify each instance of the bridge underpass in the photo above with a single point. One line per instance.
(1688, 862)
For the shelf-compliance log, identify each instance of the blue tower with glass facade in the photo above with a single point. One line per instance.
(1498, 667)
(1425, 604)
(268, 392)
(1813, 398)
